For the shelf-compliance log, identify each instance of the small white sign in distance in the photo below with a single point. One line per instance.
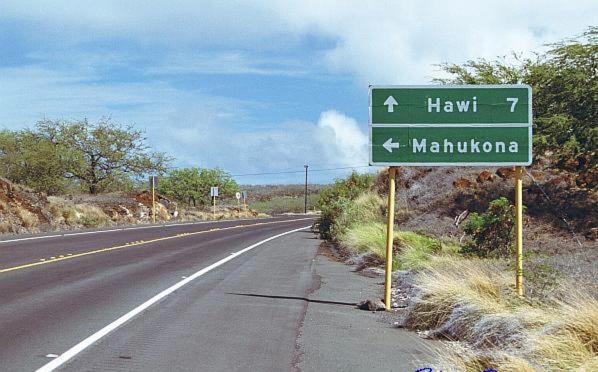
(238, 195)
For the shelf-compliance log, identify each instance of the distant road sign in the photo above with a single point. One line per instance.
(472, 125)
(213, 191)
(244, 194)
(238, 195)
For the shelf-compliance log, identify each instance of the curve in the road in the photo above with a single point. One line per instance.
(78, 348)
(69, 256)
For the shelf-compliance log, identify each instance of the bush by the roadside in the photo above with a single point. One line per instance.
(335, 198)
(491, 231)
(366, 208)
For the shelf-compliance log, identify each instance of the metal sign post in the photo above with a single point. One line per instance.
(214, 194)
(244, 194)
(153, 182)
(238, 196)
(461, 125)
(389, 236)
(519, 229)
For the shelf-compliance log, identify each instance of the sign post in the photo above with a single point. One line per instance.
(244, 194)
(214, 194)
(452, 125)
(389, 236)
(153, 182)
(238, 196)
(519, 230)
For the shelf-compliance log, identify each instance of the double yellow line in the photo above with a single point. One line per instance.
(136, 243)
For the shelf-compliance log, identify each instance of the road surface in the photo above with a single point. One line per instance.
(232, 295)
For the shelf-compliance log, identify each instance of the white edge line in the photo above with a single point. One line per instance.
(73, 351)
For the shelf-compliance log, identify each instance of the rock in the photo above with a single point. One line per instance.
(560, 182)
(505, 173)
(587, 179)
(372, 304)
(538, 175)
(462, 183)
(592, 234)
(485, 176)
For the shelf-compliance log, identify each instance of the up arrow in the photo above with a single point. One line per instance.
(391, 102)
(388, 145)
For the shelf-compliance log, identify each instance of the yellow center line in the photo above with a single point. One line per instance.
(53, 259)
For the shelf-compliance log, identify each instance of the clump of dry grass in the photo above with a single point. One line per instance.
(66, 212)
(27, 218)
(6, 227)
(91, 215)
(472, 301)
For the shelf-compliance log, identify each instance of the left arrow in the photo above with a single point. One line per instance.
(389, 145)
(391, 102)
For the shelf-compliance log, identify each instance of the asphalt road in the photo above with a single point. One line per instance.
(217, 302)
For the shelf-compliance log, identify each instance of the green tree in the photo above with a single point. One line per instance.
(564, 81)
(101, 154)
(31, 160)
(192, 185)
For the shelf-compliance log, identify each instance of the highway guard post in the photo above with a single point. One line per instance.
(451, 125)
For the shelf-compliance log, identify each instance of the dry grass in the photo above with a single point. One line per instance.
(91, 215)
(28, 219)
(198, 215)
(472, 301)
(66, 212)
(6, 227)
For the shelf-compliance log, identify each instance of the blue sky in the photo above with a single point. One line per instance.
(250, 86)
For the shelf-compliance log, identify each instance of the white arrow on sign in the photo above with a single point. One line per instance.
(391, 102)
(389, 145)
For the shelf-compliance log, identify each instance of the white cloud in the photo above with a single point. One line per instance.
(341, 139)
(399, 42)
(382, 42)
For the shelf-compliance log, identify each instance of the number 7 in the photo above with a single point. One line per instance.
(513, 101)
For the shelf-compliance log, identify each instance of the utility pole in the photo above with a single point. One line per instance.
(305, 209)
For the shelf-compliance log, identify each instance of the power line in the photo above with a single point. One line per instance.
(299, 171)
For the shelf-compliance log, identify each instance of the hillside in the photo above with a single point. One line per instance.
(23, 210)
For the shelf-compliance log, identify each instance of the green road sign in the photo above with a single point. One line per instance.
(472, 125)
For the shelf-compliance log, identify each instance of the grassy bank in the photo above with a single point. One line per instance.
(473, 301)
(463, 293)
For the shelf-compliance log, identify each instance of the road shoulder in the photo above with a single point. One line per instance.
(335, 335)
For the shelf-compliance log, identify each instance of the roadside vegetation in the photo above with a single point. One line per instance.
(454, 227)
(75, 174)
(463, 285)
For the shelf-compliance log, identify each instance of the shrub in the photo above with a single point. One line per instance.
(335, 198)
(491, 231)
(366, 208)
